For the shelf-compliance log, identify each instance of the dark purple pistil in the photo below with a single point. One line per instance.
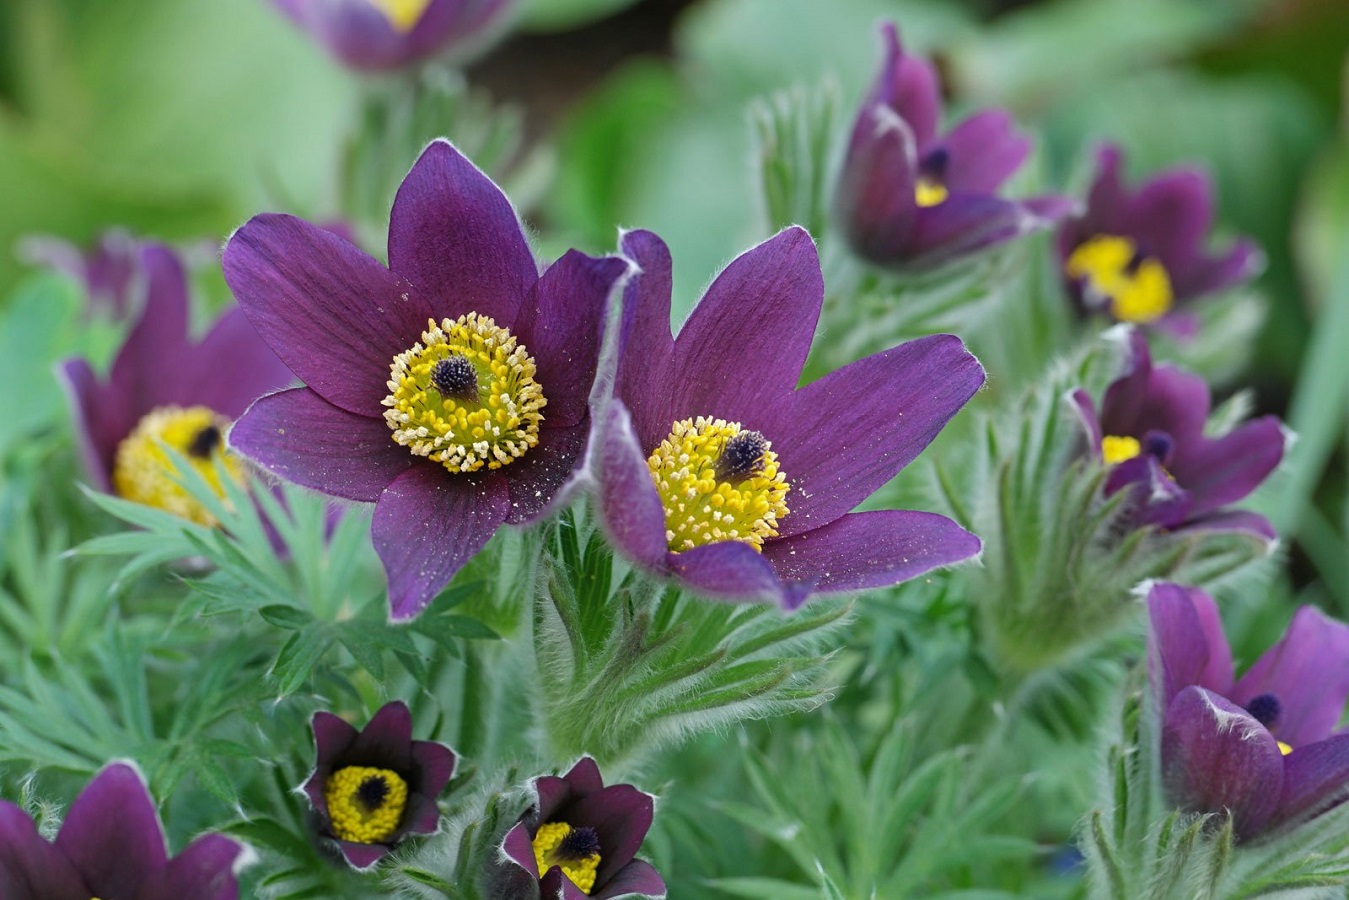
(204, 442)
(933, 166)
(372, 793)
(454, 376)
(1265, 709)
(741, 457)
(577, 845)
(1158, 444)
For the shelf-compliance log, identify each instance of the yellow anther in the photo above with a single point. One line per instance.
(491, 423)
(143, 472)
(579, 862)
(927, 192)
(365, 805)
(403, 15)
(1285, 749)
(1137, 290)
(1117, 449)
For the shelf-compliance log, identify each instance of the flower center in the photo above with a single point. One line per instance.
(1265, 709)
(575, 850)
(930, 189)
(465, 396)
(1116, 274)
(143, 471)
(1117, 449)
(717, 482)
(403, 15)
(365, 805)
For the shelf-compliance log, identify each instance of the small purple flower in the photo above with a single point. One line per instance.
(373, 787)
(1138, 256)
(1260, 747)
(909, 196)
(579, 840)
(381, 35)
(450, 389)
(1150, 431)
(717, 470)
(163, 386)
(111, 845)
(107, 270)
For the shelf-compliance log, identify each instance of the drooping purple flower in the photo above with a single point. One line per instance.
(373, 787)
(106, 270)
(381, 35)
(579, 840)
(1260, 747)
(910, 196)
(1139, 256)
(717, 470)
(449, 389)
(111, 845)
(1150, 431)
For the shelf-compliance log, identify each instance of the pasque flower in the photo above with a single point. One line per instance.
(449, 389)
(372, 787)
(166, 387)
(1139, 255)
(379, 35)
(1150, 431)
(717, 470)
(579, 840)
(909, 196)
(1260, 747)
(111, 845)
(106, 269)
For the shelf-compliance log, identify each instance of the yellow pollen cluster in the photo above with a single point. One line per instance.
(355, 820)
(1138, 290)
(927, 192)
(1285, 749)
(701, 508)
(580, 871)
(143, 472)
(464, 434)
(402, 14)
(1118, 449)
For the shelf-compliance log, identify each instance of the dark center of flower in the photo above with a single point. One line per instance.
(577, 844)
(934, 165)
(204, 442)
(576, 851)
(741, 457)
(1158, 444)
(930, 188)
(1265, 709)
(454, 376)
(372, 793)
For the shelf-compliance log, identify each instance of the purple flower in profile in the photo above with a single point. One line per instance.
(381, 35)
(106, 270)
(166, 387)
(111, 845)
(1139, 256)
(1150, 431)
(373, 787)
(450, 389)
(1260, 747)
(909, 196)
(717, 470)
(579, 840)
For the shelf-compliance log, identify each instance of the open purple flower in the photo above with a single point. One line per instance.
(579, 840)
(380, 35)
(1260, 747)
(717, 470)
(1139, 256)
(450, 389)
(166, 387)
(107, 269)
(1150, 431)
(373, 787)
(111, 845)
(909, 196)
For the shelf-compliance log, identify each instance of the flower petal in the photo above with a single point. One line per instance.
(621, 816)
(735, 571)
(985, 150)
(518, 847)
(101, 418)
(629, 507)
(1315, 779)
(1237, 520)
(203, 871)
(636, 879)
(332, 737)
(908, 85)
(386, 740)
(538, 482)
(362, 856)
(1186, 643)
(966, 222)
(144, 373)
(432, 765)
(646, 343)
(1155, 399)
(1224, 470)
(112, 833)
(1171, 216)
(233, 368)
(30, 867)
(1085, 408)
(874, 200)
(1210, 274)
(555, 885)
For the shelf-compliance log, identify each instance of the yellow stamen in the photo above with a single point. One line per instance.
(700, 506)
(403, 15)
(927, 192)
(365, 805)
(548, 843)
(492, 423)
(1117, 449)
(1137, 290)
(1285, 749)
(143, 471)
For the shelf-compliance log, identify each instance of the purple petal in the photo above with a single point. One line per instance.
(1154, 497)
(647, 345)
(1186, 643)
(1250, 523)
(432, 765)
(143, 373)
(100, 419)
(456, 237)
(985, 150)
(30, 867)
(332, 313)
(1222, 471)
(908, 85)
(538, 482)
(966, 222)
(630, 509)
(621, 816)
(204, 871)
(874, 200)
(427, 524)
(1209, 274)
(1315, 779)
(386, 740)
(1171, 215)
(362, 856)
(1091, 423)
(112, 833)
(1162, 399)
(735, 571)
(519, 849)
(584, 777)
(1105, 206)
(301, 437)
(636, 879)
(554, 885)
(333, 736)
(234, 368)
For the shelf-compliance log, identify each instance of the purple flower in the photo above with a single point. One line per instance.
(1150, 431)
(111, 845)
(372, 787)
(1259, 747)
(380, 35)
(1138, 256)
(717, 470)
(107, 270)
(450, 389)
(578, 840)
(163, 386)
(908, 196)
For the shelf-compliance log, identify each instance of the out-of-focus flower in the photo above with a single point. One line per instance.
(717, 470)
(1139, 256)
(908, 196)
(1260, 747)
(107, 269)
(579, 840)
(111, 845)
(373, 787)
(380, 35)
(1150, 431)
(449, 389)
(165, 387)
